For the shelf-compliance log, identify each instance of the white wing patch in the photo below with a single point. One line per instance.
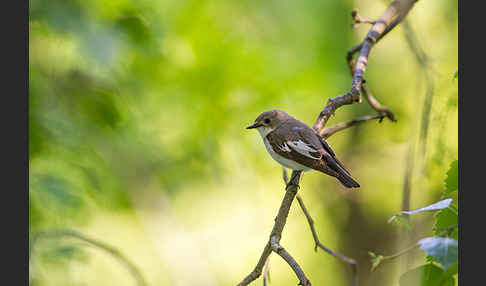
(303, 148)
(285, 148)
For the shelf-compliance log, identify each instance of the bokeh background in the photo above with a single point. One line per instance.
(137, 116)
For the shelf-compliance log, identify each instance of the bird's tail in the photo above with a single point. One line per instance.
(347, 181)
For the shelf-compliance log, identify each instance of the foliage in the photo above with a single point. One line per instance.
(441, 249)
(451, 181)
(137, 112)
(428, 274)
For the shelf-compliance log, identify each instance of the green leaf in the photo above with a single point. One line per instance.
(443, 249)
(451, 184)
(62, 253)
(433, 207)
(375, 260)
(444, 219)
(401, 221)
(426, 275)
(452, 270)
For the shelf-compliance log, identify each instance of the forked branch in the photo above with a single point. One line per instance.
(392, 16)
(318, 244)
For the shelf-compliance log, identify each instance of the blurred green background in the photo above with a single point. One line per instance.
(137, 117)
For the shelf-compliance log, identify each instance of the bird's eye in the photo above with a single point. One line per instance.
(267, 121)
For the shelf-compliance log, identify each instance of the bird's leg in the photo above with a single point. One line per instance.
(294, 180)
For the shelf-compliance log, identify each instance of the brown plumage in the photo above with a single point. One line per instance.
(297, 146)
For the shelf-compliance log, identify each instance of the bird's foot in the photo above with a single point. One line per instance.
(290, 184)
(294, 181)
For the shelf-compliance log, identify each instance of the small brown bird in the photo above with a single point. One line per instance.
(297, 146)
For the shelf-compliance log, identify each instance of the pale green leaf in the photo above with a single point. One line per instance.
(433, 207)
(426, 275)
(401, 221)
(443, 249)
(451, 181)
(446, 221)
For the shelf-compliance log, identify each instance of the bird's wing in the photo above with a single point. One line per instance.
(290, 146)
(304, 146)
(329, 150)
(317, 142)
(313, 141)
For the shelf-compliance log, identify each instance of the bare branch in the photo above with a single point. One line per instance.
(258, 268)
(358, 20)
(395, 13)
(351, 261)
(381, 109)
(266, 272)
(327, 132)
(277, 248)
(354, 264)
(392, 16)
(131, 267)
(280, 220)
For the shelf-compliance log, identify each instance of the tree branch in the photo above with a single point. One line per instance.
(276, 234)
(395, 13)
(358, 20)
(354, 264)
(397, 10)
(131, 267)
(266, 272)
(327, 132)
(277, 248)
(351, 261)
(258, 268)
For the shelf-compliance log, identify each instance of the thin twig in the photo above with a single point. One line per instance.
(358, 19)
(377, 259)
(424, 63)
(351, 261)
(131, 267)
(376, 105)
(266, 272)
(277, 248)
(276, 234)
(318, 244)
(401, 252)
(397, 10)
(314, 233)
(395, 13)
(258, 268)
(327, 132)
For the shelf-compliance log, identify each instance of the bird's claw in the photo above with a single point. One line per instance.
(289, 184)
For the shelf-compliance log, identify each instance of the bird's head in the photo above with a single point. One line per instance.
(267, 121)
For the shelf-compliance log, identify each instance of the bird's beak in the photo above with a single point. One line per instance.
(254, 125)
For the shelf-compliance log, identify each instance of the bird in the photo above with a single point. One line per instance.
(295, 145)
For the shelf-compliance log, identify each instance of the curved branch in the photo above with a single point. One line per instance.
(266, 272)
(351, 261)
(258, 268)
(392, 16)
(131, 267)
(277, 248)
(358, 19)
(327, 132)
(280, 220)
